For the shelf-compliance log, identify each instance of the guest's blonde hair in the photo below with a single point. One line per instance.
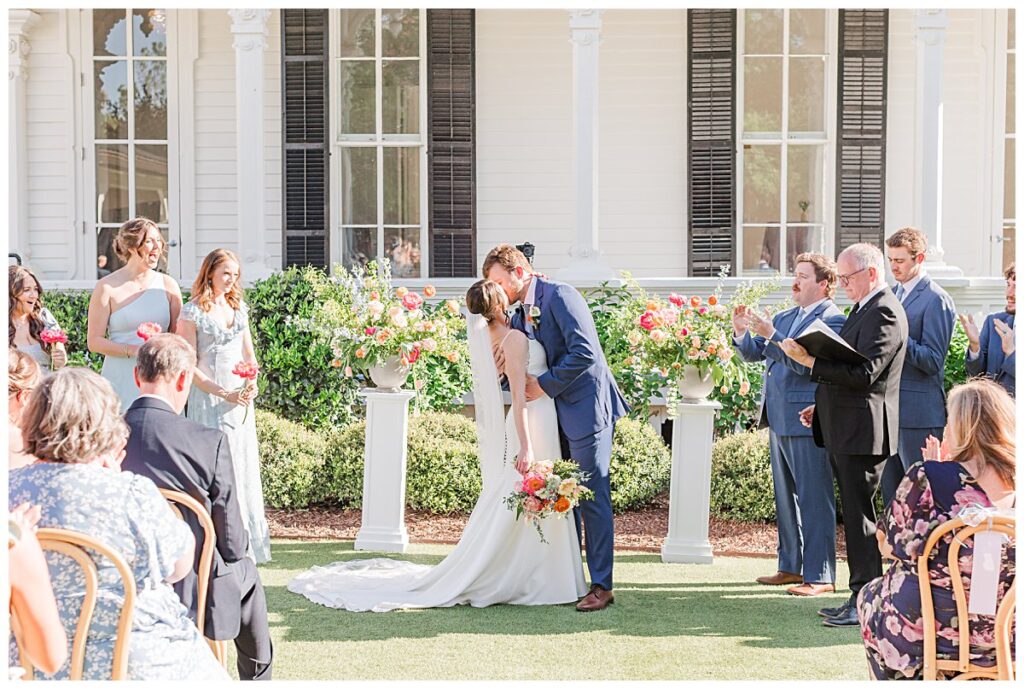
(982, 427)
(22, 372)
(73, 417)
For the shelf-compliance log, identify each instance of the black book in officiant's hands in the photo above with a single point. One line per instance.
(822, 342)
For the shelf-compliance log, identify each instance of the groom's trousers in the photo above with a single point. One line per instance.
(591, 453)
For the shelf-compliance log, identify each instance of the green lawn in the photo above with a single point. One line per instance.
(668, 622)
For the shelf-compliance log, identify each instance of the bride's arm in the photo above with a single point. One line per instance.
(515, 347)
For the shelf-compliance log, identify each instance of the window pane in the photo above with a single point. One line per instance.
(401, 186)
(108, 32)
(1010, 180)
(151, 99)
(401, 97)
(1009, 243)
(151, 182)
(106, 258)
(760, 249)
(1011, 31)
(360, 246)
(807, 95)
(800, 240)
(112, 183)
(762, 94)
(111, 84)
(400, 33)
(357, 33)
(402, 247)
(357, 97)
(763, 29)
(149, 32)
(761, 191)
(1011, 93)
(804, 178)
(359, 186)
(807, 32)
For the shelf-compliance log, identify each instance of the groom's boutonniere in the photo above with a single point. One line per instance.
(533, 315)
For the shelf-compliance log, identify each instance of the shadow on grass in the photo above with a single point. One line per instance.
(761, 617)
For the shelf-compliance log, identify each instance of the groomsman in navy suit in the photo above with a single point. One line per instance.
(931, 316)
(801, 471)
(992, 352)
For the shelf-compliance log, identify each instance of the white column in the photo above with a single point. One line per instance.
(20, 23)
(384, 463)
(585, 265)
(930, 26)
(249, 28)
(689, 507)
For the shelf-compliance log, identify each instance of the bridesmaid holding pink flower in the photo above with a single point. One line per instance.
(216, 323)
(30, 325)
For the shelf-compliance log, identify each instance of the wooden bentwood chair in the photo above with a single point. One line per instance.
(1004, 668)
(177, 500)
(76, 546)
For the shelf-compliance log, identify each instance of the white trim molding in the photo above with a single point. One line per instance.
(19, 24)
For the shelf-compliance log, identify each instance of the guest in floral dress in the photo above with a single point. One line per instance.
(216, 323)
(72, 424)
(977, 469)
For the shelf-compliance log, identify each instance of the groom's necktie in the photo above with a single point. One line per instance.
(794, 328)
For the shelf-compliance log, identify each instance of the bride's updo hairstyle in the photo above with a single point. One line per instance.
(484, 298)
(131, 237)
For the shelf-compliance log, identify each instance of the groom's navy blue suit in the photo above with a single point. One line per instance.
(588, 405)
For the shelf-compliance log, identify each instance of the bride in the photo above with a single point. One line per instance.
(498, 559)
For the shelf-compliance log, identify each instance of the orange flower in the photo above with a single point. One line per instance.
(360, 353)
(712, 300)
(652, 306)
(562, 504)
(453, 357)
(712, 349)
(429, 291)
(695, 301)
(401, 292)
(336, 363)
(676, 365)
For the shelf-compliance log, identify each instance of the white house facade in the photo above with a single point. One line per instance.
(663, 142)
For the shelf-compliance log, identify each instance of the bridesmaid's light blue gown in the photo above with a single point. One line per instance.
(151, 306)
(218, 350)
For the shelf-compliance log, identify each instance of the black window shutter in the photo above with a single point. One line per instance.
(305, 159)
(711, 147)
(863, 67)
(451, 145)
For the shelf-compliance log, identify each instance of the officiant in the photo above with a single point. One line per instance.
(804, 500)
(856, 411)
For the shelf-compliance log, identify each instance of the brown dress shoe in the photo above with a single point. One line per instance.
(780, 578)
(809, 589)
(598, 599)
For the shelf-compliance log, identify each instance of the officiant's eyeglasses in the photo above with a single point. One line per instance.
(844, 280)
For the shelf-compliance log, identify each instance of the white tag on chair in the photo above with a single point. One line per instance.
(988, 554)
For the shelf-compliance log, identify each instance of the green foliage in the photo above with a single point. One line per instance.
(293, 461)
(739, 412)
(441, 383)
(955, 372)
(71, 309)
(741, 478)
(641, 464)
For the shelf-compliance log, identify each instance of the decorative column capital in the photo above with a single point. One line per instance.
(585, 25)
(19, 24)
(926, 21)
(249, 28)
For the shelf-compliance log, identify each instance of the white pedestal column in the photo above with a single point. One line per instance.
(689, 509)
(387, 432)
(249, 28)
(930, 26)
(585, 265)
(20, 22)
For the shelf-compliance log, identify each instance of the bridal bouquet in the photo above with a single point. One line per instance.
(548, 488)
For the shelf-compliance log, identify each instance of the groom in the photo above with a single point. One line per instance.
(586, 399)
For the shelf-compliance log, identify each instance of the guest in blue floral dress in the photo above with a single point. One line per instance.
(978, 469)
(73, 425)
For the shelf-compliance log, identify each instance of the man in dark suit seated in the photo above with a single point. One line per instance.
(931, 316)
(992, 352)
(857, 409)
(185, 456)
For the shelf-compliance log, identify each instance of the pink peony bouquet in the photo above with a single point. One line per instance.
(148, 330)
(53, 336)
(548, 488)
(246, 370)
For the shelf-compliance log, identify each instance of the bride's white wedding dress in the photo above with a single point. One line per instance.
(498, 559)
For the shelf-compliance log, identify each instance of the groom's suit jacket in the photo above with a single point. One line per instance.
(578, 379)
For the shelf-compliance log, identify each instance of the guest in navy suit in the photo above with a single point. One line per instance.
(992, 352)
(931, 316)
(804, 500)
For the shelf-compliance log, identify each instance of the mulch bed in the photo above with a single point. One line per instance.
(640, 529)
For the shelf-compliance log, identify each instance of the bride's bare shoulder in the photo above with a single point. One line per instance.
(514, 342)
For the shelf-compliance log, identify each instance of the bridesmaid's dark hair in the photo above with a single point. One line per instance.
(17, 282)
(483, 298)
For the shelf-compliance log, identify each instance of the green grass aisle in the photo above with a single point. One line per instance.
(668, 622)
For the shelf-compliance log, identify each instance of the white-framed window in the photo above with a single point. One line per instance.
(379, 123)
(1010, 143)
(129, 129)
(786, 103)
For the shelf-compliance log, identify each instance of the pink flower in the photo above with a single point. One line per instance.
(371, 330)
(702, 310)
(670, 316)
(647, 321)
(532, 504)
(412, 301)
(413, 355)
(744, 387)
(148, 330)
(677, 299)
(532, 483)
(912, 631)
(246, 369)
(53, 336)
(658, 336)
(892, 656)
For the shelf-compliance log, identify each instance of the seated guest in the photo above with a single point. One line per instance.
(31, 596)
(183, 455)
(931, 316)
(73, 426)
(991, 352)
(27, 318)
(805, 504)
(979, 470)
(22, 376)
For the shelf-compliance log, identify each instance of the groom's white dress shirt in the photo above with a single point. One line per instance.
(528, 301)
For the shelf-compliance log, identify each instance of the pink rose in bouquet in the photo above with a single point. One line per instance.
(148, 330)
(247, 370)
(52, 336)
(412, 301)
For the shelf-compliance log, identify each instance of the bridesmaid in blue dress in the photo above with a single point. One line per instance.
(132, 295)
(216, 323)
(28, 317)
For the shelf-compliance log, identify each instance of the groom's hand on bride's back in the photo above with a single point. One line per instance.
(533, 389)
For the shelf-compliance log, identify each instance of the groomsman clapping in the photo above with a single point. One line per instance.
(992, 351)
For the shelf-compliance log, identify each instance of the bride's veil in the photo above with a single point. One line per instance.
(489, 407)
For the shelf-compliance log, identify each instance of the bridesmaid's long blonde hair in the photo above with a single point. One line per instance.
(202, 290)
